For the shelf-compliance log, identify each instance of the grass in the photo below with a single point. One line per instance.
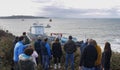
(115, 61)
(6, 54)
(6, 49)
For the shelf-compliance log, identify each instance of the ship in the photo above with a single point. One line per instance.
(38, 30)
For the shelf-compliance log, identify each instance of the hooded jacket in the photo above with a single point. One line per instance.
(26, 63)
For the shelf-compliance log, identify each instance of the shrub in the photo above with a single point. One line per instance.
(6, 54)
(6, 49)
(115, 61)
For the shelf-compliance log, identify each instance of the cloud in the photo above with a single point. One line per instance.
(58, 11)
(78, 9)
(42, 1)
(53, 11)
(59, 8)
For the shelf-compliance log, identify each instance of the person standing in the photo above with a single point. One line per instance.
(57, 53)
(106, 56)
(18, 49)
(15, 41)
(27, 41)
(99, 56)
(83, 45)
(37, 46)
(89, 56)
(46, 54)
(26, 60)
(34, 56)
(69, 48)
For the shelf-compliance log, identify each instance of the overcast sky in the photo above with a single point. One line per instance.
(61, 8)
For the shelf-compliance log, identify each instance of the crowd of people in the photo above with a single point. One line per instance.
(29, 57)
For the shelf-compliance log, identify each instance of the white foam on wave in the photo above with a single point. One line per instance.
(117, 41)
(114, 47)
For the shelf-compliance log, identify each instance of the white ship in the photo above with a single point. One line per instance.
(38, 30)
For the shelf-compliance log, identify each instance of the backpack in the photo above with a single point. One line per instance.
(70, 47)
(44, 49)
(26, 65)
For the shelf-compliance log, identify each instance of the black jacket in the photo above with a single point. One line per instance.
(56, 50)
(70, 47)
(106, 56)
(88, 57)
(37, 46)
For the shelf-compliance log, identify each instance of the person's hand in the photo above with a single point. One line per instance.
(80, 68)
(28, 45)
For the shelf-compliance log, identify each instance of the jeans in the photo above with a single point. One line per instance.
(98, 67)
(85, 68)
(69, 57)
(39, 59)
(45, 62)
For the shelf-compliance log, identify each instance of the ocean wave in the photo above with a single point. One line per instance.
(117, 41)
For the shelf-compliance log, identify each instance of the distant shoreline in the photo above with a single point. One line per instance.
(45, 17)
(22, 17)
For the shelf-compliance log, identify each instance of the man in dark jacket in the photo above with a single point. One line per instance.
(69, 48)
(89, 56)
(27, 41)
(37, 46)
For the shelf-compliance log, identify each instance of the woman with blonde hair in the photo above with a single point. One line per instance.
(99, 56)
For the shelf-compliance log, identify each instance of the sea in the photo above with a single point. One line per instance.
(100, 29)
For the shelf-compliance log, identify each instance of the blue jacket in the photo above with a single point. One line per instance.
(46, 50)
(19, 49)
